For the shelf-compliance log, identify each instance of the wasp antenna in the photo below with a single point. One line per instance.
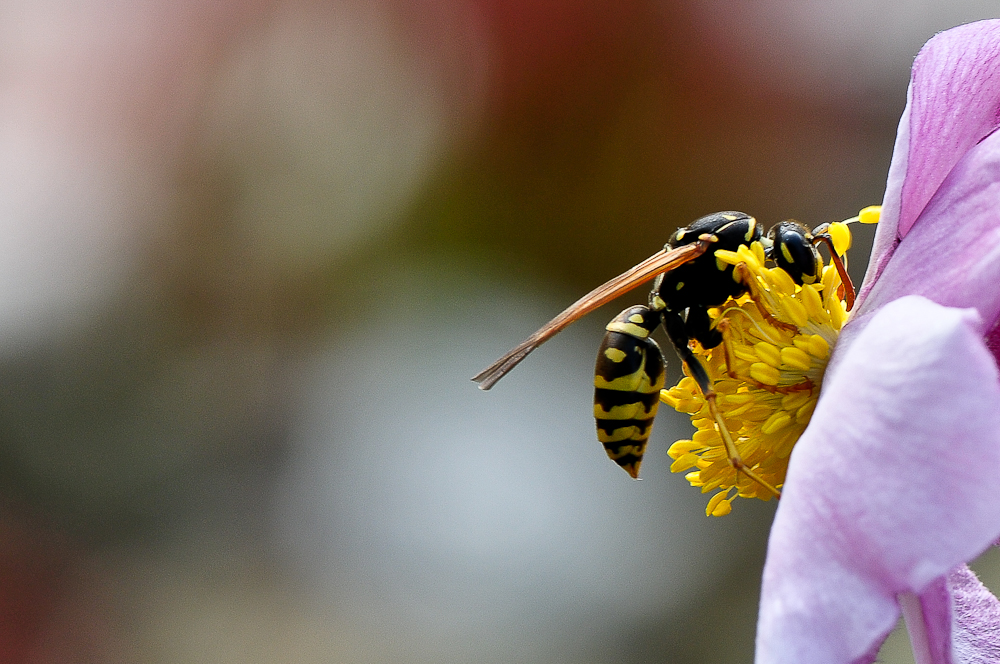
(838, 262)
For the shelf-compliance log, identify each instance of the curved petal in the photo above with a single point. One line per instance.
(886, 233)
(953, 102)
(895, 482)
(952, 256)
(962, 619)
(975, 624)
(935, 606)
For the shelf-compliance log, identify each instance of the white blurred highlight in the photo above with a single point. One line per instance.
(76, 191)
(66, 233)
(329, 116)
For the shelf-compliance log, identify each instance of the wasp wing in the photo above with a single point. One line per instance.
(662, 261)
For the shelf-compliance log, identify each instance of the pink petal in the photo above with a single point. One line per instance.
(887, 231)
(962, 619)
(895, 482)
(952, 256)
(953, 103)
(975, 636)
(935, 603)
(992, 341)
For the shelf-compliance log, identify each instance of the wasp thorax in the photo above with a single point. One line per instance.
(729, 229)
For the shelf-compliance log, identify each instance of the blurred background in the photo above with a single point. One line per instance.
(251, 252)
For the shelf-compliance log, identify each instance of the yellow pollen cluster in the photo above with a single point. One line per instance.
(766, 374)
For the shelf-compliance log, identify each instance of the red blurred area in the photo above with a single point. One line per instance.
(36, 566)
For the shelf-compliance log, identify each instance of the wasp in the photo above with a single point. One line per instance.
(687, 282)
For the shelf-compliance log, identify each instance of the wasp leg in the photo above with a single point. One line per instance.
(723, 326)
(677, 332)
(838, 262)
(742, 274)
(698, 325)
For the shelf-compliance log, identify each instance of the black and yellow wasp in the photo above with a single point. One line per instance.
(688, 281)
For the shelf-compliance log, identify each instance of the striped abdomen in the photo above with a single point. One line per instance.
(627, 382)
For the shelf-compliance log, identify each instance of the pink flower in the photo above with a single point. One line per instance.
(896, 482)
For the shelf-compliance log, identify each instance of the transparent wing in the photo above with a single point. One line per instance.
(662, 261)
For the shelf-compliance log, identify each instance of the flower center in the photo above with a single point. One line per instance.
(767, 374)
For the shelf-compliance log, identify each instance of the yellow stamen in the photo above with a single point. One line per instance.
(870, 215)
(841, 236)
(719, 505)
(779, 336)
